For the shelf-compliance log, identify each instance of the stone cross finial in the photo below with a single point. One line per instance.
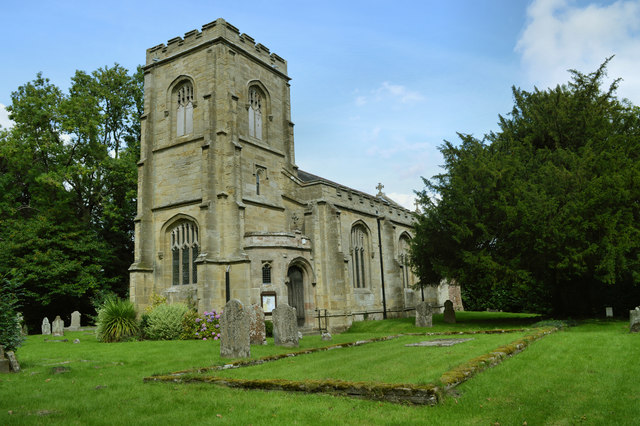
(379, 188)
(417, 204)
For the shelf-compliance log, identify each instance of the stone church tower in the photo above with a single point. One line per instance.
(223, 210)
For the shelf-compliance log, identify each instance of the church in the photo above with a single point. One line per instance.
(225, 213)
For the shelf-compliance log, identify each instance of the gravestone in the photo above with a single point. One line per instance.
(13, 362)
(285, 326)
(234, 336)
(634, 320)
(424, 315)
(608, 311)
(449, 313)
(326, 335)
(257, 330)
(46, 327)
(75, 321)
(21, 325)
(57, 328)
(4, 363)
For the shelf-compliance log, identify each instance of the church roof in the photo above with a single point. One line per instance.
(307, 177)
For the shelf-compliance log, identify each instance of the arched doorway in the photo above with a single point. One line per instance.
(296, 291)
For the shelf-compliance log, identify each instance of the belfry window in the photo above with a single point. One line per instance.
(359, 256)
(255, 113)
(184, 112)
(184, 252)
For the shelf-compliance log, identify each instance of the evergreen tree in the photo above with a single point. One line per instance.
(544, 214)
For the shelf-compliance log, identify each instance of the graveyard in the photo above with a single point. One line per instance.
(581, 372)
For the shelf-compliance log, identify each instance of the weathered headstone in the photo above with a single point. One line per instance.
(234, 336)
(609, 311)
(5, 367)
(634, 320)
(75, 321)
(46, 327)
(285, 326)
(326, 335)
(257, 330)
(57, 328)
(22, 327)
(424, 315)
(449, 313)
(13, 362)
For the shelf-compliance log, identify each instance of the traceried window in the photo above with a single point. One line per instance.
(403, 257)
(184, 252)
(266, 273)
(360, 256)
(255, 112)
(184, 113)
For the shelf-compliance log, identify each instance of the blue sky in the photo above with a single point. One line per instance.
(376, 85)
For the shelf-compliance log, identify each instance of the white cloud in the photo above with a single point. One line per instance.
(5, 123)
(562, 36)
(387, 91)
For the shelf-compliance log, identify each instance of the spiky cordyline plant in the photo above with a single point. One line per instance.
(116, 320)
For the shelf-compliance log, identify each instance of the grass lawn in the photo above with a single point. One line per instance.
(586, 374)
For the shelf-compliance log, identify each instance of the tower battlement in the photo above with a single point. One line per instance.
(218, 29)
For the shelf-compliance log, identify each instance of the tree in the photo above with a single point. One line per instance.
(68, 189)
(542, 215)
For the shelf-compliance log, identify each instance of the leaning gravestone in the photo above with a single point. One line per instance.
(75, 321)
(424, 315)
(234, 336)
(46, 327)
(449, 313)
(285, 326)
(57, 328)
(634, 320)
(13, 362)
(257, 330)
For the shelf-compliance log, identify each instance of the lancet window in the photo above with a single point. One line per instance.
(266, 273)
(256, 101)
(184, 109)
(360, 256)
(403, 257)
(184, 252)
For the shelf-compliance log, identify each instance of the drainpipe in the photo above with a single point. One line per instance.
(227, 285)
(384, 298)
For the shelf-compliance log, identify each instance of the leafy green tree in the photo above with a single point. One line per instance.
(542, 215)
(67, 189)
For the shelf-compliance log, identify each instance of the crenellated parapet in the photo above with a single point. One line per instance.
(211, 32)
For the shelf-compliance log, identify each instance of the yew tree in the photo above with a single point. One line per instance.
(542, 215)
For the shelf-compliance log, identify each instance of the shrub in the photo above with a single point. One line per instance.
(204, 327)
(116, 320)
(190, 324)
(165, 322)
(10, 330)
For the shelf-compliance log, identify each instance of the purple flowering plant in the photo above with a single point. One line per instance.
(208, 326)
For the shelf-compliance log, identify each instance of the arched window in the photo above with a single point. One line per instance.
(266, 273)
(184, 109)
(360, 256)
(403, 257)
(256, 100)
(184, 252)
